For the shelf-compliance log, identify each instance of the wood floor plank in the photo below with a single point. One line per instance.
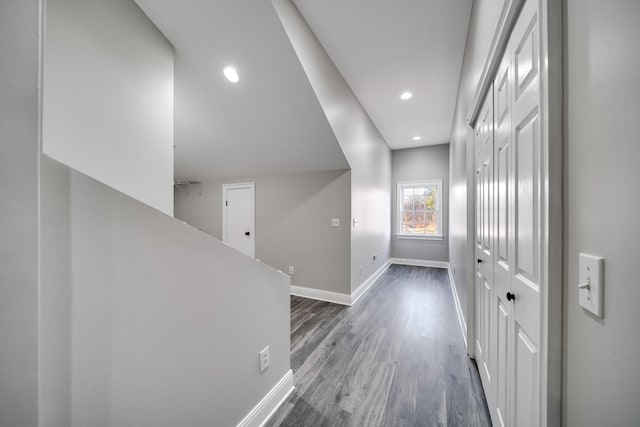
(396, 358)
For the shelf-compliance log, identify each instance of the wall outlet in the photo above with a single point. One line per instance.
(361, 270)
(264, 359)
(374, 258)
(335, 222)
(291, 269)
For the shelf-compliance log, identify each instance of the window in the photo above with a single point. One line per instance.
(419, 209)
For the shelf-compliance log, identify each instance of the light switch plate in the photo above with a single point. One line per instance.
(264, 359)
(355, 222)
(591, 273)
(335, 222)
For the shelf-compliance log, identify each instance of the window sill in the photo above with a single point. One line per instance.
(413, 237)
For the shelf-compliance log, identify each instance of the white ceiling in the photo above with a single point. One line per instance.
(386, 47)
(268, 123)
(271, 122)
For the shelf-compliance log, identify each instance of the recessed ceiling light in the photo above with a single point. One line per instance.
(417, 138)
(406, 95)
(231, 74)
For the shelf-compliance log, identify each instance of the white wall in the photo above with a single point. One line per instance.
(293, 223)
(108, 97)
(418, 164)
(156, 322)
(364, 148)
(482, 24)
(602, 67)
(19, 213)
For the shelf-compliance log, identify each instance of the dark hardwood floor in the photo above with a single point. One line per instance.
(396, 358)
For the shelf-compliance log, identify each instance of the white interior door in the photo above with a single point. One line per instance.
(483, 149)
(238, 217)
(502, 307)
(528, 214)
(509, 324)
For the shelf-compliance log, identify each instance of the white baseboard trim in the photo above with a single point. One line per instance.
(420, 262)
(335, 297)
(261, 413)
(338, 298)
(460, 313)
(364, 287)
(346, 299)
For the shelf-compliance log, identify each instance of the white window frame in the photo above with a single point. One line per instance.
(427, 182)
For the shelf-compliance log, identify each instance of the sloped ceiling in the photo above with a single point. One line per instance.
(268, 123)
(386, 47)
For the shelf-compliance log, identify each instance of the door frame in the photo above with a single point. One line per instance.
(225, 188)
(551, 80)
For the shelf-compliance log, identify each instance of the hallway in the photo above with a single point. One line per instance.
(396, 358)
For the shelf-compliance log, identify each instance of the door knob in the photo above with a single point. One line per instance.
(510, 296)
(479, 261)
(247, 233)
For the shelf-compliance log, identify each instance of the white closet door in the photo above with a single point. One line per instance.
(528, 213)
(503, 155)
(509, 213)
(483, 149)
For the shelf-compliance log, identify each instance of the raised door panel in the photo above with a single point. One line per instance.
(502, 375)
(503, 174)
(487, 328)
(477, 139)
(487, 204)
(480, 317)
(478, 210)
(526, 54)
(503, 169)
(527, 207)
(527, 372)
(503, 90)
